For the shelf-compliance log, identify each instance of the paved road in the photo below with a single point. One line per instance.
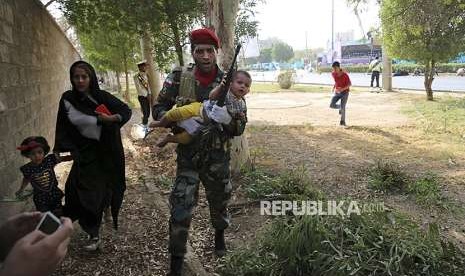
(441, 83)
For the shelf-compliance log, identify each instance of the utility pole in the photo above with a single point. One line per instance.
(306, 46)
(332, 31)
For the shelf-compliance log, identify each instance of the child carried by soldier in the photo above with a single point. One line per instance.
(234, 102)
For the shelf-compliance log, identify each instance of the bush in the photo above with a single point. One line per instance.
(369, 244)
(387, 176)
(390, 177)
(289, 185)
(426, 190)
(286, 79)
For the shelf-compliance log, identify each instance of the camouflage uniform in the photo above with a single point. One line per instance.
(205, 159)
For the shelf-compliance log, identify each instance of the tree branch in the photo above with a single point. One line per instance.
(49, 2)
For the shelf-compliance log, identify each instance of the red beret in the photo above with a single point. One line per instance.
(204, 36)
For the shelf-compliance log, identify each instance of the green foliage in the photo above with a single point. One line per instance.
(293, 184)
(286, 79)
(387, 176)
(426, 189)
(391, 177)
(164, 181)
(427, 31)
(369, 244)
(170, 21)
(265, 55)
(246, 25)
(311, 54)
(282, 52)
(109, 51)
(423, 30)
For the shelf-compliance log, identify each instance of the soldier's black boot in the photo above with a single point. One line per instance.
(176, 266)
(220, 246)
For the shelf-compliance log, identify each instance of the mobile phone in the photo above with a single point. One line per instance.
(49, 223)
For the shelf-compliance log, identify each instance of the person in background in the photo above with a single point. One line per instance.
(341, 91)
(375, 68)
(143, 92)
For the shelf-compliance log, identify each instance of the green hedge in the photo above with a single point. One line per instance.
(442, 68)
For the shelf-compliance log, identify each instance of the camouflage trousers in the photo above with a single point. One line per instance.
(215, 177)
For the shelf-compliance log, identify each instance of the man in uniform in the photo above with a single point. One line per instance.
(143, 92)
(207, 157)
(375, 68)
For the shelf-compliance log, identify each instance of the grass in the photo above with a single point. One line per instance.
(293, 184)
(164, 181)
(369, 244)
(391, 177)
(387, 176)
(442, 117)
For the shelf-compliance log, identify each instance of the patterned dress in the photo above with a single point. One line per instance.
(47, 195)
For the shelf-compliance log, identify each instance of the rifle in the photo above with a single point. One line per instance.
(228, 78)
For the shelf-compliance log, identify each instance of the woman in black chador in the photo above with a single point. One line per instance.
(88, 126)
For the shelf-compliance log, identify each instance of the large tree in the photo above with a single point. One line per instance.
(427, 31)
(110, 51)
(265, 55)
(282, 52)
(222, 16)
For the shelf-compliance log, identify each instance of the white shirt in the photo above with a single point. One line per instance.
(141, 90)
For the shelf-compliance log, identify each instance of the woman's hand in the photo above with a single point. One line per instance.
(104, 118)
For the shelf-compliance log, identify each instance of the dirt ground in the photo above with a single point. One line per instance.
(295, 108)
(287, 130)
(337, 158)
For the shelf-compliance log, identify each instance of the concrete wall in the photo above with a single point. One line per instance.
(35, 57)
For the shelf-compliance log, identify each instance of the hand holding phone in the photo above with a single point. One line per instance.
(49, 223)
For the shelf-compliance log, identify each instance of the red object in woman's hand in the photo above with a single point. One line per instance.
(103, 109)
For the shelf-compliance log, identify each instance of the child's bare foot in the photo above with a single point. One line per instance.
(165, 140)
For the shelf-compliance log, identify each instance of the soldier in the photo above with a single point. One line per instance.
(143, 92)
(207, 157)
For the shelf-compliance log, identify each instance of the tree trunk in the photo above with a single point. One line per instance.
(221, 16)
(359, 19)
(126, 75)
(387, 71)
(118, 81)
(175, 30)
(429, 77)
(153, 75)
(177, 44)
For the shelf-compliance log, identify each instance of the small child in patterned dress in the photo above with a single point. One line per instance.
(40, 173)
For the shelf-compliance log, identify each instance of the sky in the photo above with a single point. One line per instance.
(290, 19)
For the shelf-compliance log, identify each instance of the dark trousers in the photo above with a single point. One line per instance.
(184, 194)
(375, 75)
(343, 97)
(145, 106)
